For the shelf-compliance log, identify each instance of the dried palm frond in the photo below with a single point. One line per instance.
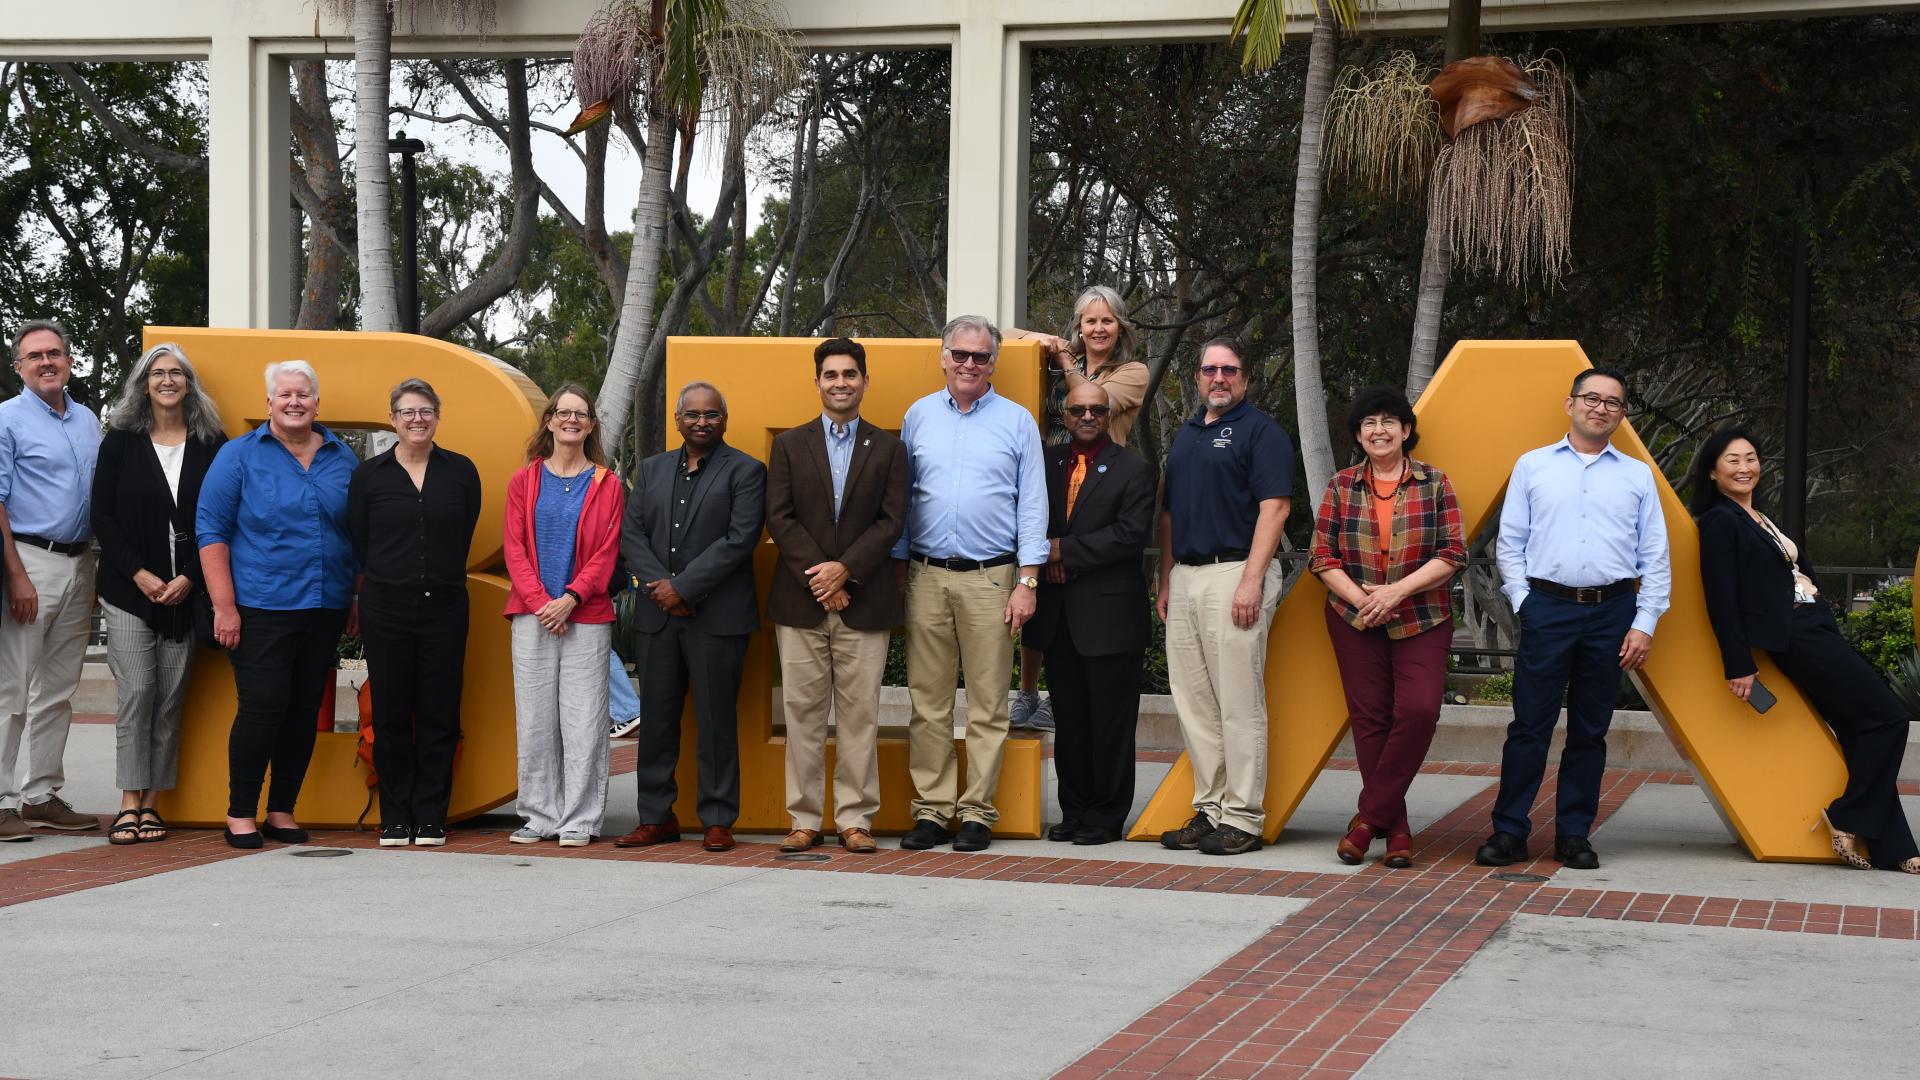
(1504, 190)
(1382, 128)
(747, 62)
(1479, 90)
(478, 14)
(607, 60)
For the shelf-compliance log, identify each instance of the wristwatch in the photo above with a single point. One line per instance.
(1030, 582)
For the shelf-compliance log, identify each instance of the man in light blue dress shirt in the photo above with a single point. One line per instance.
(976, 538)
(1583, 559)
(48, 444)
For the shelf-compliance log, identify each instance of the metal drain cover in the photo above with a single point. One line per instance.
(1522, 879)
(320, 853)
(803, 856)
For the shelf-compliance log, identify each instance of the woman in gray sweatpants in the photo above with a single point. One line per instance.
(562, 537)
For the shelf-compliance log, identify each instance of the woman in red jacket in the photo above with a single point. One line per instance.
(562, 535)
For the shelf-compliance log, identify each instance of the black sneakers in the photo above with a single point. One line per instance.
(395, 836)
(1187, 837)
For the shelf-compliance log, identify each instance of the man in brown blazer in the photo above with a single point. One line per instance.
(836, 502)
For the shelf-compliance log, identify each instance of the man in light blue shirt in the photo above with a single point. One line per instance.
(1583, 559)
(48, 444)
(975, 539)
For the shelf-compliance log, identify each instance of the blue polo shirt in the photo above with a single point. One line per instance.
(1218, 474)
(286, 527)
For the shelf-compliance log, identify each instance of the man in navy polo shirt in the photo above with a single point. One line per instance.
(1226, 497)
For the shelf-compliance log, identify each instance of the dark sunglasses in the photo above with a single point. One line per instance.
(1088, 410)
(963, 357)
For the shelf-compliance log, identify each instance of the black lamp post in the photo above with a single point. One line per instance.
(409, 230)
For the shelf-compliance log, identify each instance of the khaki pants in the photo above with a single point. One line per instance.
(1218, 676)
(956, 619)
(832, 665)
(39, 670)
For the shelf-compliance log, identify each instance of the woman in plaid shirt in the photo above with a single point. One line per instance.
(1386, 544)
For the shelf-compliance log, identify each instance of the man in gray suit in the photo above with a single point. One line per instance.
(691, 525)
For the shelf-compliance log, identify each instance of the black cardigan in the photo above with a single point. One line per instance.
(133, 514)
(1749, 587)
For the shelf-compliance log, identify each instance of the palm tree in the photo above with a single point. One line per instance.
(1463, 40)
(674, 55)
(372, 58)
(1264, 23)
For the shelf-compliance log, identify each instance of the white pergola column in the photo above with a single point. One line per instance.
(248, 154)
(987, 173)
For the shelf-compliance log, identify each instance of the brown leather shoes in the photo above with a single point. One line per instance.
(649, 835)
(719, 838)
(858, 841)
(801, 840)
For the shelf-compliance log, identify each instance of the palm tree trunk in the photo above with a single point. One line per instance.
(1463, 40)
(619, 392)
(1316, 448)
(372, 56)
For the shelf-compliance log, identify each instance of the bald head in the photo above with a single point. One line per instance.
(1088, 407)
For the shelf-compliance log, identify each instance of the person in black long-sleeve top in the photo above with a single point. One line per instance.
(411, 513)
(1761, 595)
(162, 436)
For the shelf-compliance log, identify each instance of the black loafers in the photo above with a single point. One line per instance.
(283, 836)
(1064, 830)
(1575, 853)
(926, 834)
(972, 836)
(1501, 849)
(1095, 835)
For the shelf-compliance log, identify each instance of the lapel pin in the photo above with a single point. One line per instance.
(1102, 468)
(866, 442)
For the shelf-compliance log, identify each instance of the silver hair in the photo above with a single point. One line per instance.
(293, 367)
(134, 410)
(34, 326)
(680, 403)
(1129, 338)
(970, 322)
(411, 386)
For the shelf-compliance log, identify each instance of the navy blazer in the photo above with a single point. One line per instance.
(722, 526)
(1103, 602)
(1748, 585)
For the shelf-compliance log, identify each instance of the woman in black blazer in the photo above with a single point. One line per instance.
(1761, 595)
(162, 435)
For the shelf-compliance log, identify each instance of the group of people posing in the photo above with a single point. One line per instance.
(971, 528)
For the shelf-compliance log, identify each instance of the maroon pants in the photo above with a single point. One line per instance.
(1393, 690)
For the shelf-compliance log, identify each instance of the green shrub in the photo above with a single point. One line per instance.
(1883, 633)
(1496, 688)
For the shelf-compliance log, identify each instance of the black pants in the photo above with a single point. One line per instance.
(280, 673)
(679, 656)
(1870, 723)
(1096, 707)
(1572, 649)
(416, 653)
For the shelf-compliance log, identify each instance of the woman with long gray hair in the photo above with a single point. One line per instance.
(162, 436)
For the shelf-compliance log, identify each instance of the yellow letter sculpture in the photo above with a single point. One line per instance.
(490, 411)
(768, 383)
(1768, 775)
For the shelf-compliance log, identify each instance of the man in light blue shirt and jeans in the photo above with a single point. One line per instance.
(48, 444)
(1581, 528)
(975, 539)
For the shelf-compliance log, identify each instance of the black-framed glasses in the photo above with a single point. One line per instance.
(709, 415)
(1600, 401)
(1077, 411)
(963, 357)
(425, 412)
(1223, 371)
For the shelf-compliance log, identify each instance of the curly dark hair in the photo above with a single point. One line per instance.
(1706, 493)
(1375, 400)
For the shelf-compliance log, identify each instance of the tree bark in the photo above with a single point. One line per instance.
(1463, 40)
(372, 57)
(1316, 448)
(326, 260)
(619, 392)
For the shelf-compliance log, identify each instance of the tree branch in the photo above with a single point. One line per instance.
(190, 164)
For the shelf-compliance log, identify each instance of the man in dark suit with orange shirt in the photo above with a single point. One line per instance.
(1091, 621)
(836, 502)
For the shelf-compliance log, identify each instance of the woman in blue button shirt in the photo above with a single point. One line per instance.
(280, 570)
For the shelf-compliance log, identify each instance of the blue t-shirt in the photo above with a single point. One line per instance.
(1217, 476)
(556, 524)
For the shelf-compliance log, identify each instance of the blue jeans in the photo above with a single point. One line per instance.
(1571, 649)
(622, 703)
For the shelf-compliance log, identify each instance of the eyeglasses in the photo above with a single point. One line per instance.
(1373, 423)
(709, 415)
(571, 414)
(1596, 401)
(49, 354)
(1224, 371)
(167, 375)
(426, 412)
(1088, 410)
(964, 357)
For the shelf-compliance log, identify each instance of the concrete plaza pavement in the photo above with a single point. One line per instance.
(1035, 959)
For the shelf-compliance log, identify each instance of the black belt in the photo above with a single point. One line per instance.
(1209, 560)
(1584, 594)
(963, 564)
(71, 551)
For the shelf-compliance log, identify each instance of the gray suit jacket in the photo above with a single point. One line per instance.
(722, 526)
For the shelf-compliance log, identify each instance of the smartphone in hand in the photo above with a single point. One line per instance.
(1760, 697)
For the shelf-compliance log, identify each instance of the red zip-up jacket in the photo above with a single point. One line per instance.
(596, 546)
